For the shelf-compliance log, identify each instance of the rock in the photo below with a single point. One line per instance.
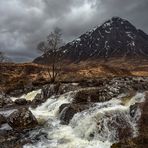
(67, 114)
(64, 88)
(92, 95)
(39, 98)
(5, 101)
(46, 92)
(22, 119)
(67, 111)
(63, 106)
(94, 82)
(49, 90)
(123, 129)
(16, 92)
(133, 109)
(52, 89)
(20, 101)
(83, 100)
(14, 139)
(2, 119)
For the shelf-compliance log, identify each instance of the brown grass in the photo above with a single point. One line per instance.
(19, 75)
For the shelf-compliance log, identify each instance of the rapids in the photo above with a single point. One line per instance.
(95, 127)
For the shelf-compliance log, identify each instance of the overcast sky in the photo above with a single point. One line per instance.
(24, 23)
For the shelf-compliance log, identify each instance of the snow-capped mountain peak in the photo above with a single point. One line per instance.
(116, 37)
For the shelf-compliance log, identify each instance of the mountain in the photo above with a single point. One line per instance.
(4, 58)
(116, 37)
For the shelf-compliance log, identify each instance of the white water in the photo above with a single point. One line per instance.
(30, 96)
(88, 129)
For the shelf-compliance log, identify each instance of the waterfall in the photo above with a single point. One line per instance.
(96, 127)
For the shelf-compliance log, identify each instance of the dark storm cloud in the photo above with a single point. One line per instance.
(23, 23)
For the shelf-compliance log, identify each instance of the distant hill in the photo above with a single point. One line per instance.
(116, 37)
(4, 58)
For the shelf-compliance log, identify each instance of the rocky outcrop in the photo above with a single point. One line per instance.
(22, 119)
(105, 91)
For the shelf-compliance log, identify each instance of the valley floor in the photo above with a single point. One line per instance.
(29, 76)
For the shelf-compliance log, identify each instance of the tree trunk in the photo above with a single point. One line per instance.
(53, 73)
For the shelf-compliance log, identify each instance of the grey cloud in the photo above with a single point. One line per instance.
(23, 23)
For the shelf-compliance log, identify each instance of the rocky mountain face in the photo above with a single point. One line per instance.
(116, 37)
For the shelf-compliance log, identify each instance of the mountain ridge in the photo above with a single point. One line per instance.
(116, 37)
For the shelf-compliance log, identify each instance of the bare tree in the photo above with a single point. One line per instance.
(51, 47)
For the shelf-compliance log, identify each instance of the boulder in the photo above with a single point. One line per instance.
(22, 119)
(46, 92)
(20, 101)
(14, 139)
(92, 95)
(67, 111)
(94, 82)
(63, 106)
(39, 98)
(67, 87)
(2, 119)
(121, 126)
(5, 101)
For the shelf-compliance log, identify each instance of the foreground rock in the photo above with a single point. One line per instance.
(22, 119)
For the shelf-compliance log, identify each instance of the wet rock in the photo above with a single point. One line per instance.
(133, 109)
(46, 92)
(94, 82)
(123, 129)
(2, 119)
(5, 101)
(14, 139)
(20, 101)
(67, 114)
(67, 111)
(64, 88)
(16, 92)
(22, 119)
(39, 98)
(63, 106)
(92, 95)
(9, 139)
(49, 90)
